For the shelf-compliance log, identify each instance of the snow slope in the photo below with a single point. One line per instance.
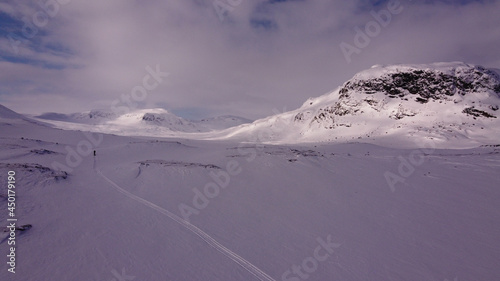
(221, 122)
(281, 212)
(454, 104)
(6, 113)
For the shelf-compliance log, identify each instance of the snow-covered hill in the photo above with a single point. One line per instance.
(455, 104)
(6, 113)
(152, 122)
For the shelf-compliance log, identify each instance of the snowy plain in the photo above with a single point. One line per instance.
(278, 206)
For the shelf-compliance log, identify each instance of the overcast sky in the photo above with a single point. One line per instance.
(256, 58)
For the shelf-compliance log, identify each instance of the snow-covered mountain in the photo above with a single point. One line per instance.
(88, 117)
(154, 122)
(222, 122)
(153, 118)
(453, 103)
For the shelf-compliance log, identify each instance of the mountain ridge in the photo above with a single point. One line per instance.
(152, 120)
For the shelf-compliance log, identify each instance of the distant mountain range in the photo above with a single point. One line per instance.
(145, 121)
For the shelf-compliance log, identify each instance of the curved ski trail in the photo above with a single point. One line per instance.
(248, 266)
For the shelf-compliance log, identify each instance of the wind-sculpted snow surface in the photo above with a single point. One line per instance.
(255, 271)
(36, 174)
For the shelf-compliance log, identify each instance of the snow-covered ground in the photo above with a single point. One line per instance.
(177, 209)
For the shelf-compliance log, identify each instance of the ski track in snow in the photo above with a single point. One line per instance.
(248, 266)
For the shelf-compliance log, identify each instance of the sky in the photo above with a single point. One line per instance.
(250, 58)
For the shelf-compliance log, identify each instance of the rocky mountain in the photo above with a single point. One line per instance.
(454, 103)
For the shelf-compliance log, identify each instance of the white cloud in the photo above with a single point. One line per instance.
(228, 67)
